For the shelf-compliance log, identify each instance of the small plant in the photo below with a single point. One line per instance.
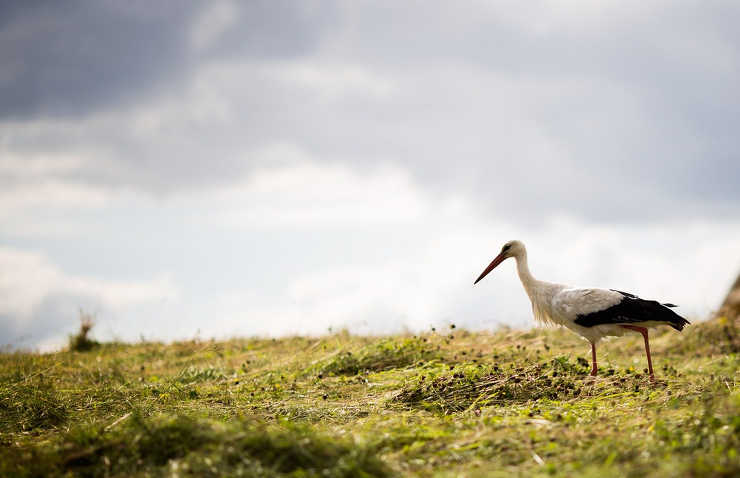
(81, 342)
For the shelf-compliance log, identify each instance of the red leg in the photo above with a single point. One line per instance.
(593, 359)
(644, 333)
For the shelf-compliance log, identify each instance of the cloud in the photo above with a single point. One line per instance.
(511, 144)
(607, 112)
(309, 195)
(319, 160)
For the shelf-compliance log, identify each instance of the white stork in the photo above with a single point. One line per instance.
(591, 313)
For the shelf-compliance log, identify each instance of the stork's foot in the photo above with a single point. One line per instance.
(593, 372)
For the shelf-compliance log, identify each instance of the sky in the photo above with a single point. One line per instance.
(215, 169)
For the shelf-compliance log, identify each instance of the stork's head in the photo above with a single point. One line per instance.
(511, 249)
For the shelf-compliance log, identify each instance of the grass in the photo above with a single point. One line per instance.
(436, 404)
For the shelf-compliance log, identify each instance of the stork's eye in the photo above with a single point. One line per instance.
(506, 247)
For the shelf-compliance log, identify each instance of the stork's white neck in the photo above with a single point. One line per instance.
(540, 293)
(522, 267)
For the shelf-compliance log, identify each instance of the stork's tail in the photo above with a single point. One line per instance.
(677, 322)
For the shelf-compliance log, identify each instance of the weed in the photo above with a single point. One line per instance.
(81, 342)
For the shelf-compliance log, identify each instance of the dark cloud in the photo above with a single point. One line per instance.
(73, 58)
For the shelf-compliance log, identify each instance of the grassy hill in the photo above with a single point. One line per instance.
(444, 403)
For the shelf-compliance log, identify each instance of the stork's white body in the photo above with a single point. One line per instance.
(589, 312)
(558, 304)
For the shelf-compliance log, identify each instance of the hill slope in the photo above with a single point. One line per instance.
(449, 403)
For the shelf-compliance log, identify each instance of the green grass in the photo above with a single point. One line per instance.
(436, 404)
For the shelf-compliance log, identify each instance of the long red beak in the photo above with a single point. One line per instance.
(498, 260)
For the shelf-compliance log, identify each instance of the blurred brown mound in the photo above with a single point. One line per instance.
(719, 335)
(731, 306)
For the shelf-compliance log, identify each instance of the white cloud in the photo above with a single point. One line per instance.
(34, 165)
(315, 195)
(334, 81)
(54, 193)
(44, 187)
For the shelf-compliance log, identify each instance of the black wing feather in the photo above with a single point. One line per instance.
(633, 310)
(626, 294)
